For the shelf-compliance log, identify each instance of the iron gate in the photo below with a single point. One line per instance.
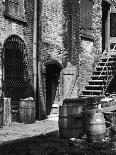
(15, 74)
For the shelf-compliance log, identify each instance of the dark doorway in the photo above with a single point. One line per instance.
(52, 76)
(105, 9)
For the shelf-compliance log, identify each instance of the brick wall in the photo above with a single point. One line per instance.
(97, 30)
(60, 39)
(89, 50)
(52, 21)
(10, 27)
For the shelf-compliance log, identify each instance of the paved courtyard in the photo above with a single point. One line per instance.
(17, 131)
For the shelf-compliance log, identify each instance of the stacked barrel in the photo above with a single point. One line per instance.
(80, 116)
(70, 118)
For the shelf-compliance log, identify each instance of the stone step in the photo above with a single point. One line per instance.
(100, 68)
(103, 73)
(97, 77)
(88, 95)
(110, 59)
(100, 77)
(94, 87)
(97, 82)
(92, 92)
(109, 63)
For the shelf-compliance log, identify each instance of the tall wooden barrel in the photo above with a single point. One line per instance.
(71, 119)
(94, 126)
(27, 111)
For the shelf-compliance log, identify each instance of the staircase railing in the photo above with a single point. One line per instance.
(107, 74)
(108, 80)
(106, 63)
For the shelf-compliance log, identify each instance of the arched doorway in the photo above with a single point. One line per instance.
(15, 73)
(52, 84)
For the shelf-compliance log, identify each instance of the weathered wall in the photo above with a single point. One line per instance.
(90, 51)
(97, 30)
(9, 27)
(51, 22)
(60, 40)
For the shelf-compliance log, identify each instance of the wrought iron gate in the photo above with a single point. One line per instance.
(15, 74)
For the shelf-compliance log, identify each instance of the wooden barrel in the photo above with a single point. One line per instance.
(71, 119)
(27, 111)
(92, 102)
(94, 126)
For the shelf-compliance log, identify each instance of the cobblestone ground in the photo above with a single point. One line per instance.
(42, 138)
(51, 144)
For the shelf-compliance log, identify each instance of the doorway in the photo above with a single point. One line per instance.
(52, 84)
(14, 72)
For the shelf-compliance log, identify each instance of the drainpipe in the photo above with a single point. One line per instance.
(35, 51)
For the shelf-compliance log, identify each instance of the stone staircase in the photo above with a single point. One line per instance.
(102, 76)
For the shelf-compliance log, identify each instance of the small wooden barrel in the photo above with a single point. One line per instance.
(70, 119)
(27, 111)
(94, 126)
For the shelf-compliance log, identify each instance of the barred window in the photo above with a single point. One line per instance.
(15, 9)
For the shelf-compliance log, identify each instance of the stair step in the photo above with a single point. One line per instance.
(103, 73)
(100, 77)
(109, 63)
(92, 92)
(99, 81)
(98, 91)
(110, 59)
(97, 76)
(94, 87)
(100, 68)
(88, 95)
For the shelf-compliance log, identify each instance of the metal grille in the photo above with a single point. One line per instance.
(15, 74)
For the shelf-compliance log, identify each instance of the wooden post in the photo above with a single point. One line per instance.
(6, 111)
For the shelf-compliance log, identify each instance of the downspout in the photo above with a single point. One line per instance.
(35, 51)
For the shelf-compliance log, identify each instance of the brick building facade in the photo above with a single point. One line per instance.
(58, 42)
(66, 47)
(16, 50)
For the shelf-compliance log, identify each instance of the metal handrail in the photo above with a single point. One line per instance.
(106, 63)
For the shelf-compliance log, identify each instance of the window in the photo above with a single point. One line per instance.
(86, 17)
(15, 9)
(112, 24)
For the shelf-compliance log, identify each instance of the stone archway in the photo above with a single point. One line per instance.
(15, 75)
